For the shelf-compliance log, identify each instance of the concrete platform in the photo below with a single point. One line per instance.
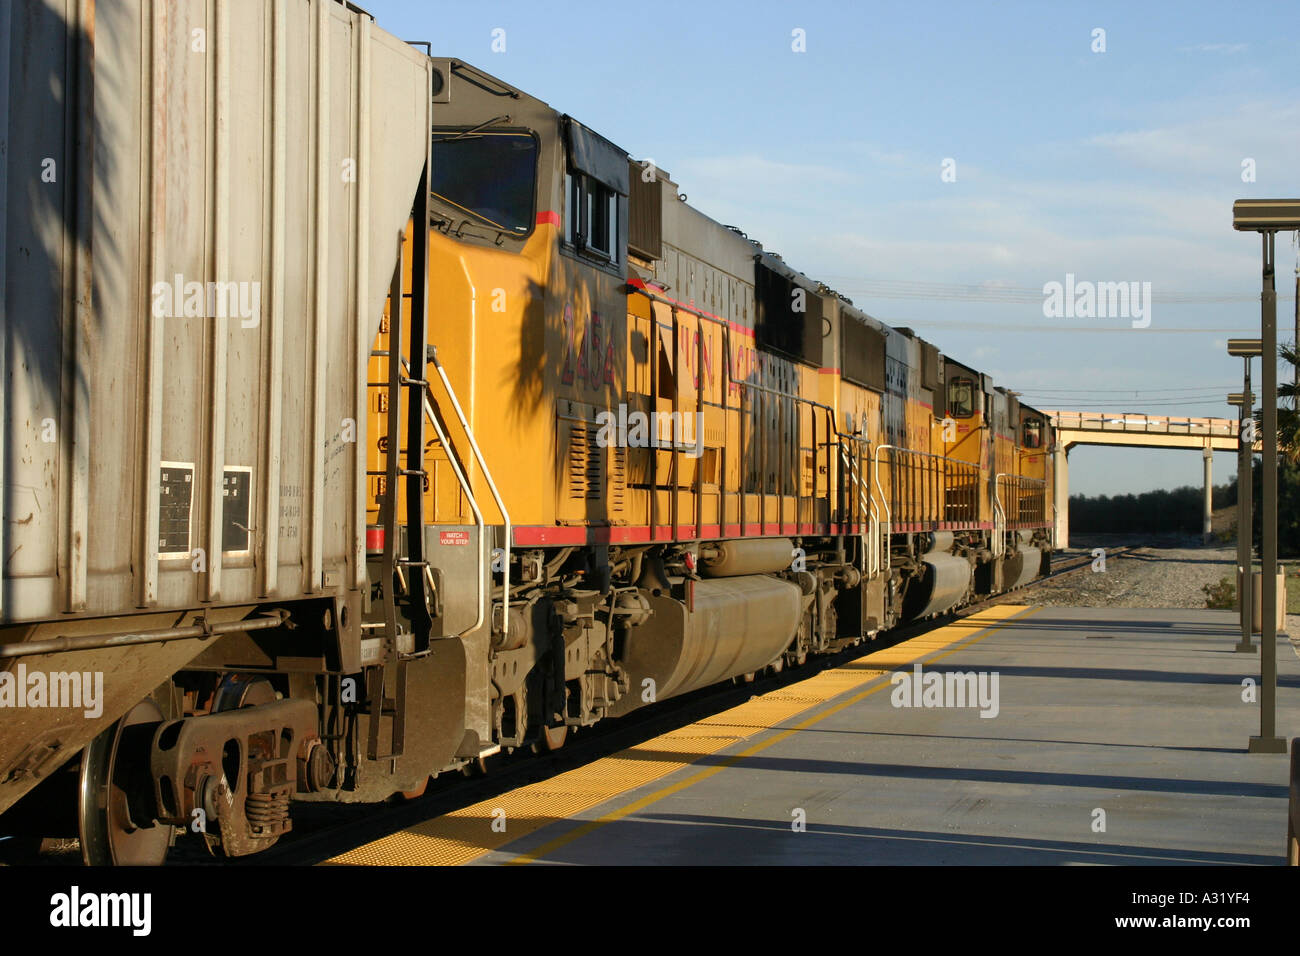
(1136, 713)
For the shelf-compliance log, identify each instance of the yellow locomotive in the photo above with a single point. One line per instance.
(707, 462)
(518, 440)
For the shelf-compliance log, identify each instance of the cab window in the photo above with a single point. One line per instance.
(1033, 433)
(961, 397)
(591, 217)
(490, 175)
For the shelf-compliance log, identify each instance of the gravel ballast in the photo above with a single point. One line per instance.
(1159, 575)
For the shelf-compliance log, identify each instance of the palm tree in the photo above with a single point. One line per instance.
(1288, 418)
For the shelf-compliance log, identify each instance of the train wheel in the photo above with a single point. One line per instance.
(418, 792)
(115, 792)
(553, 738)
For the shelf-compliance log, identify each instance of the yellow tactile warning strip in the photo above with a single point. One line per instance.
(466, 834)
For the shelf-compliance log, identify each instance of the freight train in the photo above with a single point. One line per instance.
(366, 417)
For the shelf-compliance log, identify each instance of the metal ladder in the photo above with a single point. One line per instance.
(871, 542)
(999, 517)
(419, 587)
(414, 394)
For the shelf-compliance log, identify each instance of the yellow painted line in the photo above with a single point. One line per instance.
(467, 834)
(734, 759)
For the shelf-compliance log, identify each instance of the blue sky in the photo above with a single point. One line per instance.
(1119, 165)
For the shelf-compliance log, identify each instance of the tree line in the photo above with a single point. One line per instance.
(1173, 511)
(1179, 511)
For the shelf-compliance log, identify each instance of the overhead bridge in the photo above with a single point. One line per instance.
(1134, 431)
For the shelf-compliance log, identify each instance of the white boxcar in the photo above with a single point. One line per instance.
(203, 203)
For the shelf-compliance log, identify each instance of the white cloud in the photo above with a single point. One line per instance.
(1212, 144)
(1214, 48)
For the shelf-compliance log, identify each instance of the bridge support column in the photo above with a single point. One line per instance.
(1061, 495)
(1207, 526)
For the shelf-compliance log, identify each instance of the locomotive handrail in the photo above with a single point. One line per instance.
(479, 523)
(465, 486)
(999, 517)
(884, 503)
(745, 383)
(874, 511)
(674, 306)
(1025, 482)
(1019, 482)
(492, 486)
(873, 516)
(798, 399)
(845, 461)
(938, 496)
(878, 544)
(871, 552)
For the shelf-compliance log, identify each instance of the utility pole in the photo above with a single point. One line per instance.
(1268, 217)
(1244, 401)
(1268, 741)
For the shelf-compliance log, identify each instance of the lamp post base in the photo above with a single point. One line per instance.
(1245, 648)
(1267, 745)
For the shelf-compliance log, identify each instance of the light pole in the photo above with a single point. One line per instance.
(1245, 401)
(1268, 217)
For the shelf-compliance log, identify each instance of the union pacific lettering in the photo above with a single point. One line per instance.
(688, 351)
(746, 360)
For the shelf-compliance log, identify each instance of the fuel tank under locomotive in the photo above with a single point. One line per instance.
(1023, 566)
(727, 626)
(946, 580)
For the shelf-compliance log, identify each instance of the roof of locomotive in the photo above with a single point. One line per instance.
(723, 246)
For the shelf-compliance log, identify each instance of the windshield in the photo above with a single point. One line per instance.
(961, 398)
(488, 174)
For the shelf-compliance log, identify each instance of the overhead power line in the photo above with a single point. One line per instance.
(1082, 388)
(1129, 406)
(984, 292)
(1154, 329)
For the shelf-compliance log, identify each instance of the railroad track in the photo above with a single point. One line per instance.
(1081, 562)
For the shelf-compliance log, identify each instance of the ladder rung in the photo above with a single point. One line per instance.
(414, 381)
(407, 562)
(413, 471)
